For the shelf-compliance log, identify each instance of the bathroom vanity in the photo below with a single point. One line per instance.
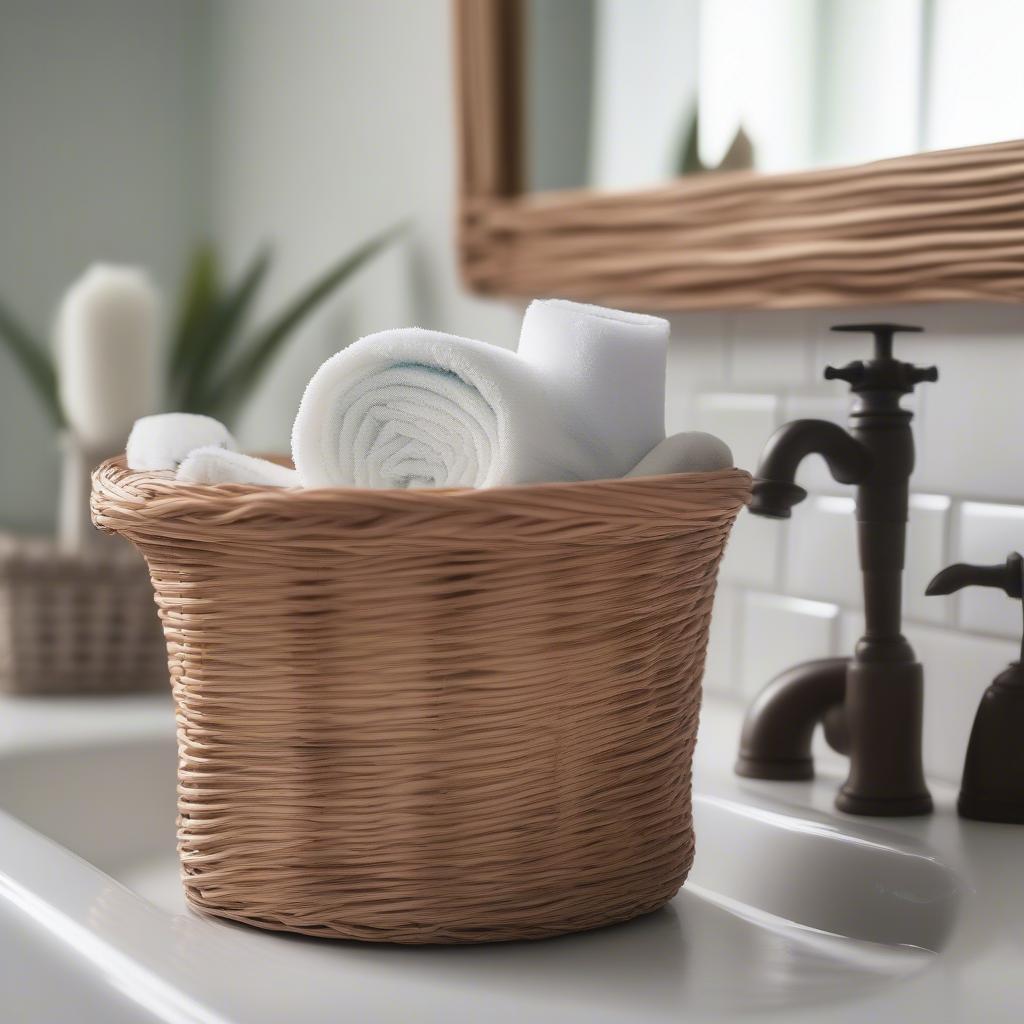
(792, 912)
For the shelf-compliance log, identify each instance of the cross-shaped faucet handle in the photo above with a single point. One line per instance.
(883, 372)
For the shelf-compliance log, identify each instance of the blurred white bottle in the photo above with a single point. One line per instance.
(106, 353)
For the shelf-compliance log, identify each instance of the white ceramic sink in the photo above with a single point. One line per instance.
(789, 910)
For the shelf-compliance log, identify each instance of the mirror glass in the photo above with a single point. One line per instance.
(622, 94)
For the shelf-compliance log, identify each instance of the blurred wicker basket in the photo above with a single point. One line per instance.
(76, 624)
(432, 716)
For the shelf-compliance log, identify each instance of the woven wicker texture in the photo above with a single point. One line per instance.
(76, 624)
(432, 716)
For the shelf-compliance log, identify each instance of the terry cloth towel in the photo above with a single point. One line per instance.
(606, 369)
(690, 452)
(583, 399)
(163, 441)
(213, 465)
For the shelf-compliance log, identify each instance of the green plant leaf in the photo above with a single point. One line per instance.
(35, 361)
(689, 161)
(219, 331)
(238, 379)
(199, 295)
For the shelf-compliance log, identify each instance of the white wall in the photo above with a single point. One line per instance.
(977, 76)
(867, 100)
(99, 147)
(559, 78)
(757, 69)
(330, 121)
(644, 89)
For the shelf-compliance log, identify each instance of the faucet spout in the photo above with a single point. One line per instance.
(775, 489)
(777, 732)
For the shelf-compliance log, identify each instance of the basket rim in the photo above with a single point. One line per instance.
(127, 502)
(147, 485)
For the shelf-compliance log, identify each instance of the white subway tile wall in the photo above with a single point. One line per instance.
(972, 416)
(720, 668)
(745, 421)
(822, 559)
(755, 547)
(927, 552)
(766, 350)
(985, 535)
(780, 631)
(957, 667)
(790, 591)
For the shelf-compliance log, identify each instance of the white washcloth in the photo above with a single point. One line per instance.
(690, 452)
(214, 465)
(163, 441)
(417, 408)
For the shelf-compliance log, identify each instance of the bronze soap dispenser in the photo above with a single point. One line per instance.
(993, 784)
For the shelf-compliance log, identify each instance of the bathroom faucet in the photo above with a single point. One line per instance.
(871, 703)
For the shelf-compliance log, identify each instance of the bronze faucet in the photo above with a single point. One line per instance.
(993, 783)
(871, 703)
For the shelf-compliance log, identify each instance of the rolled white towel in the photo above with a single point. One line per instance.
(583, 399)
(690, 452)
(606, 369)
(163, 441)
(417, 408)
(214, 465)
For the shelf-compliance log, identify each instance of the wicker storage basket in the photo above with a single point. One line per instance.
(76, 624)
(432, 716)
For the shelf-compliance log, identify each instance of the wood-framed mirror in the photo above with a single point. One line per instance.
(932, 225)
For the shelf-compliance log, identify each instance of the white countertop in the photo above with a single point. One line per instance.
(117, 944)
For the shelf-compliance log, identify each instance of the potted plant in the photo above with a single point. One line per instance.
(76, 612)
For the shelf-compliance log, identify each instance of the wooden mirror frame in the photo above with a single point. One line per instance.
(933, 227)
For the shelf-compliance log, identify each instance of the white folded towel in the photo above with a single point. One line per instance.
(213, 465)
(163, 441)
(606, 368)
(583, 399)
(690, 452)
